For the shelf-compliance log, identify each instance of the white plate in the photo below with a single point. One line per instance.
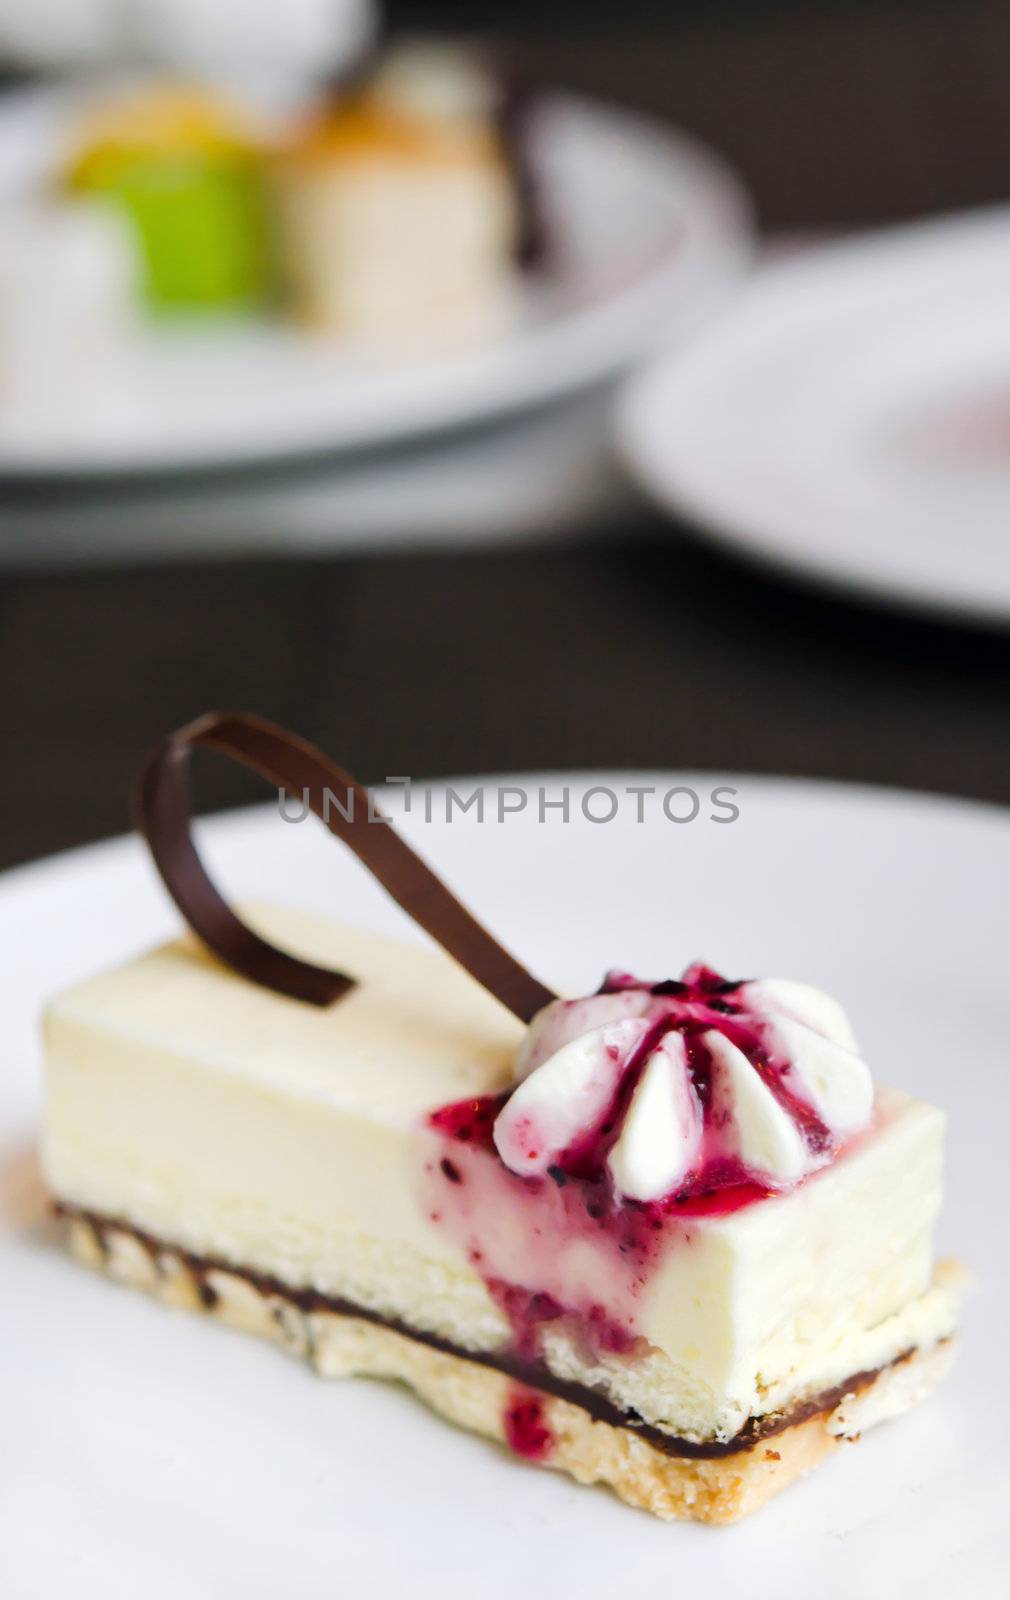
(156, 1455)
(849, 419)
(540, 474)
(648, 228)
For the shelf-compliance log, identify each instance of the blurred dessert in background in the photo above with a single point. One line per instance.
(399, 213)
(68, 294)
(385, 220)
(425, 240)
(391, 214)
(184, 168)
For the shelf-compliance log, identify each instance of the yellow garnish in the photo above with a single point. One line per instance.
(170, 120)
(362, 128)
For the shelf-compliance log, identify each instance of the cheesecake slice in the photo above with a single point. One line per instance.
(400, 213)
(668, 1237)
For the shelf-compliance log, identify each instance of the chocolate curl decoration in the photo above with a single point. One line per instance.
(164, 817)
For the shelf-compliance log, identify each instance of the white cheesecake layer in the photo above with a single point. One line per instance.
(290, 1140)
(386, 251)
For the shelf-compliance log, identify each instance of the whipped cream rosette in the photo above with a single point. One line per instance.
(686, 1086)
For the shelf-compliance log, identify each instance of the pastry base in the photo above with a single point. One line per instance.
(716, 1489)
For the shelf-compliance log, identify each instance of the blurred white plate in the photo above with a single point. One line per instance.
(157, 1455)
(848, 420)
(648, 227)
(548, 473)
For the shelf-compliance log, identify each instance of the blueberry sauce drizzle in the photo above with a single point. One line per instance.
(528, 1310)
(469, 1121)
(702, 1000)
(587, 1156)
(558, 1217)
(527, 1431)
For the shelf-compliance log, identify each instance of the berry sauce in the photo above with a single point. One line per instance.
(548, 1248)
(526, 1429)
(564, 1248)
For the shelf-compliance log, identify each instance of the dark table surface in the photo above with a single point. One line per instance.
(640, 648)
(836, 112)
(637, 650)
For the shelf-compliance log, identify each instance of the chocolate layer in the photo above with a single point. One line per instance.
(533, 1373)
(164, 816)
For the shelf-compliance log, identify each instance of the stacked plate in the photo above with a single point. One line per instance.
(646, 229)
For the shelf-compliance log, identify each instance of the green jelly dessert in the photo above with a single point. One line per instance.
(192, 183)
